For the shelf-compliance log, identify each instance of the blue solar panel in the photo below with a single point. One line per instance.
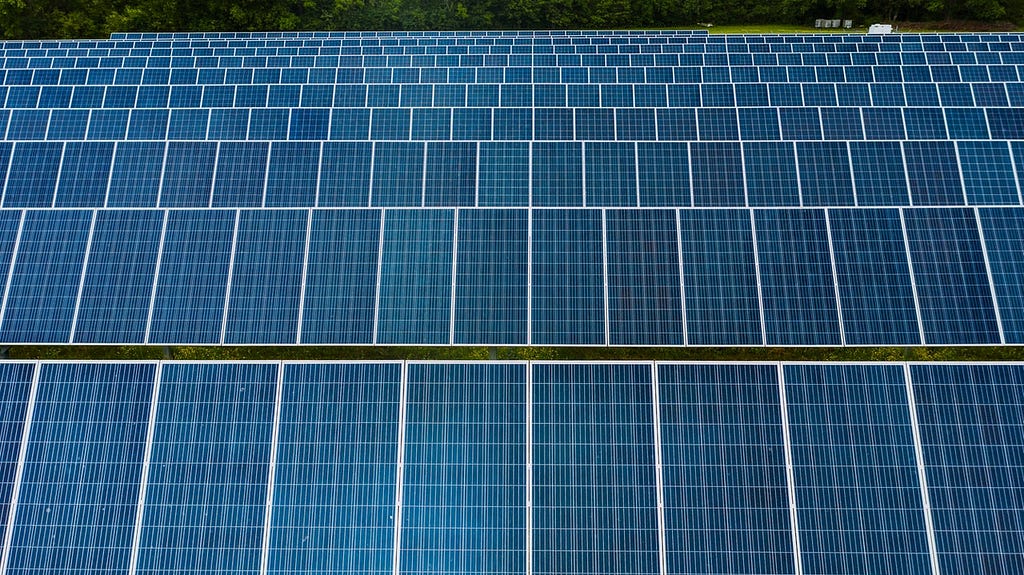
(953, 292)
(491, 277)
(799, 299)
(83, 464)
(188, 303)
(207, 482)
(415, 285)
(770, 172)
(720, 278)
(341, 277)
(644, 295)
(84, 174)
(342, 450)
(854, 469)
(33, 174)
(464, 480)
(17, 383)
(594, 496)
(44, 282)
(873, 275)
(240, 175)
(726, 502)
(136, 174)
(345, 171)
(266, 277)
(970, 421)
(568, 278)
(1003, 232)
(118, 281)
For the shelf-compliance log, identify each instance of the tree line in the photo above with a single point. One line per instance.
(39, 19)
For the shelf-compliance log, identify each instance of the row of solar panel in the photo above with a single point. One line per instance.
(505, 468)
(355, 58)
(510, 174)
(514, 276)
(424, 71)
(710, 99)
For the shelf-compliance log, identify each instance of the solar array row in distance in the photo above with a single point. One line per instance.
(858, 276)
(306, 174)
(512, 468)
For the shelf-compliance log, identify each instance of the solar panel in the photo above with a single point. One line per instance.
(617, 139)
(512, 467)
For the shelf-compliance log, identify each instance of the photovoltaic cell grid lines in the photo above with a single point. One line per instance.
(83, 464)
(595, 500)
(855, 473)
(209, 467)
(970, 420)
(503, 467)
(726, 503)
(464, 479)
(334, 484)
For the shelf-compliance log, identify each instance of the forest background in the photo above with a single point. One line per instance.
(40, 19)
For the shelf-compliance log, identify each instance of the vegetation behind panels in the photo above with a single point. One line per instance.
(38, 19)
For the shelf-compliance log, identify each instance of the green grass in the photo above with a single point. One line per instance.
(780, 29)
(323, 353)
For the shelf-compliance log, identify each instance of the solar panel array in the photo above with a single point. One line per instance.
(505, 467)
(513, 188)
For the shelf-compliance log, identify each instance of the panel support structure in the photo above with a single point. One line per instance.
(272, 468)
(790, 474)
(133, 563)
(921, 474)
(659, 475)
(12, 510)
(396, 556)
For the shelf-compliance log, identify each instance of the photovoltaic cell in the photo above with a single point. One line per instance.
(796, 278)
(568, 280)
(188, 174)
(208, 469)
(44, 283)
(83, 463)
(414, 301)
(188, 303)
(334, 484)
(266, 280)
(971, 428)
(854, 466)
(875, 289)
(491, 277)
(594, 500)
(464, 484)
(719, 278)
(726, 502)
